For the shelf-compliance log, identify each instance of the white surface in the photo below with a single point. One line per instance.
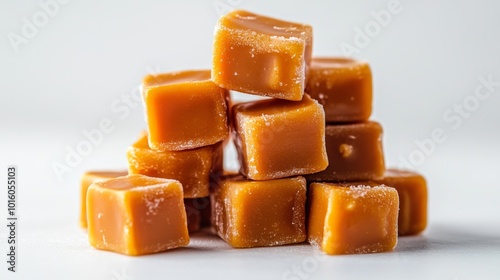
(446, 251)
(90, 56)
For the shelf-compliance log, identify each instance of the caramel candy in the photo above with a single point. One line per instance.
(136, 215)
(353, 218)
(260, 213)
(184, 110)
(191, 167)
(261, 55)
(412, 191)
(343, 86)
(354, 153)
(196, 209)
(88, 179)
(279, 138)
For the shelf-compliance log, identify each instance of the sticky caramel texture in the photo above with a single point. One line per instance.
(412, 191)
(260, 213)
(354, 151)
(136, 215)
(88, 179)
(261, 55)
(192, 168)
(184, 110)
(355, 218)
(279, 138)
(343, 86)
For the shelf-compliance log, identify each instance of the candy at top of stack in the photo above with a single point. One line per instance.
(261, 55)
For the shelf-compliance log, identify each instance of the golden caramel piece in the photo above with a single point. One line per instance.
(191, 167)
(343, 86)
(261, 55)
(279, 138)
(355, 218)
(354, 152)
(184, 110)
(249, 213)
(88, 179)
(412, 191)
(136, 215)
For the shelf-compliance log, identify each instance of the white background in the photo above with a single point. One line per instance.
(80, 66)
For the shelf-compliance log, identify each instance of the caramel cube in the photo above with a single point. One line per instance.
(191, 167)
(136, 215)
(353, 218)
(184, 110)
(261, 55)
(412, 191)
(343, 86)
(354, 152)
(88, 179)
(280, 138)
(260, 213)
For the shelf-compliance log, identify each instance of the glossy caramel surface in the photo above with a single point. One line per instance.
(353, 218)
(249, 213)
(354, 151)
(88, 178)
(136, 215)
(412, 191)
(184, 110)
(261, 55)
(192, 168)
(343, 86)
(280, 138)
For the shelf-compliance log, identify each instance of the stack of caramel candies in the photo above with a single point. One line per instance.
(312, 163)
